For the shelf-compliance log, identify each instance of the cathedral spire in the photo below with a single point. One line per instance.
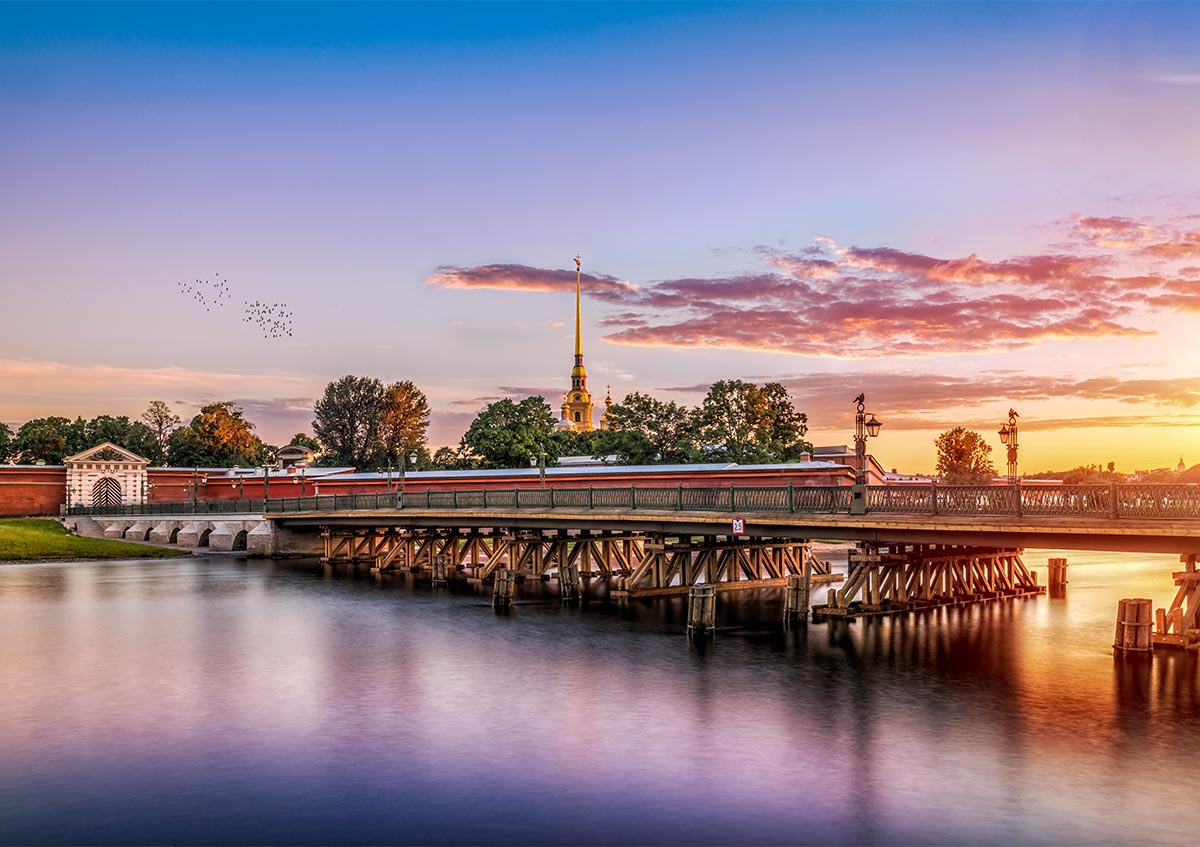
(578, 323)
(577, 404)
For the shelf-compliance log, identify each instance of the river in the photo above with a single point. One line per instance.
(218, 700)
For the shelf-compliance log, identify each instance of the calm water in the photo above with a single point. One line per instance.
(216, 700)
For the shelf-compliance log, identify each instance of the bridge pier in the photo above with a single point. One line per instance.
(1179, 624)
(671, 565)
(900, 578)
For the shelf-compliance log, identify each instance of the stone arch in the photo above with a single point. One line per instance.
(202, 541)
(125, 531)
(106, 492)
(149, 530)
(174, 536)
(239, 540)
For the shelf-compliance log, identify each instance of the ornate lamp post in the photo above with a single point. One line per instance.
(539, 461)
(1008, 436)
(862, 429)
(865, 426)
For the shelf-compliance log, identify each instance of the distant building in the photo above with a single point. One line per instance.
(294, 455)
(843, 454)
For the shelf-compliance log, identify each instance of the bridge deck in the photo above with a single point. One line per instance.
(1072, 533)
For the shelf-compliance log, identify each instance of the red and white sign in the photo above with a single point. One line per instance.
(739, 526)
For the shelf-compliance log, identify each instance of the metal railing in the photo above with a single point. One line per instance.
(1178, 502)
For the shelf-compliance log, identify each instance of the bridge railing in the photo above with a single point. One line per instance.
(1179, 502)
(200, 507)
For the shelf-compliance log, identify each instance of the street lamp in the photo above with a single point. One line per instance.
(1008, 437)
(539, 461)
(863, 428)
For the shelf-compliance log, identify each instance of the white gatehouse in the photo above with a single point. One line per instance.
(106, 475)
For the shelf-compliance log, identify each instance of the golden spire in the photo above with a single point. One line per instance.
(578, 288)
(577, 405)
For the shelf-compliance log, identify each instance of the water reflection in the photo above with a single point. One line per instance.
(225, 700)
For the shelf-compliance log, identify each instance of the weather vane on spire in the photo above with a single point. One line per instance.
(578, 266)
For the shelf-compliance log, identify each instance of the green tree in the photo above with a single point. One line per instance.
(569, 442)
(506, 434)
(454, 459)
(49, 440)
(301, 439)
(741, 422)
(362, 423)
(646, 431)
(964, 457)
(162, 422)
(134, 436)
(347, 420)
(6, 436)
(219, 436)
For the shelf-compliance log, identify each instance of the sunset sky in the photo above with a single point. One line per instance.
(953, 208)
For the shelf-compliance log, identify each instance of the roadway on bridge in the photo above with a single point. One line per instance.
(1129, 535)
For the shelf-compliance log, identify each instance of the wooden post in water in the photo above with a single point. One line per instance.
(1056, 579)
(795, 600)
(568, 581)
(505, 585)
(702, 608)
(439, 569)
(1134, 620)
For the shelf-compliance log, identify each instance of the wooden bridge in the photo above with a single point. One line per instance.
(915, 546)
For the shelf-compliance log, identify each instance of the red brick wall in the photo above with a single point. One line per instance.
(26, 491)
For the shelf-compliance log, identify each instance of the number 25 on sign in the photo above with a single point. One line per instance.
(739, 526)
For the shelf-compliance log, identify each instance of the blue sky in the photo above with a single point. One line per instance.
(788, 168)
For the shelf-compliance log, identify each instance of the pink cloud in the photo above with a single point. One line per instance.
(857, 301)
(510, 277)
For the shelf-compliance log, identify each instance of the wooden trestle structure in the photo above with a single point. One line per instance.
(642, 564)
(888, 579)
(1179, 625)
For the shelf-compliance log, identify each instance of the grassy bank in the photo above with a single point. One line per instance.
(26, 539)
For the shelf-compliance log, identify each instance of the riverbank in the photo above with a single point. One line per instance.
(40, 539)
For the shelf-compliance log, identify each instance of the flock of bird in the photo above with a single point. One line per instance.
(274, 320)
(207, 293)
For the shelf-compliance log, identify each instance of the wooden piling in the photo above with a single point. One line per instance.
(440, 562)
(504, 587)
(1134, 622)
(1056, 574)
(568, 581)
(702, 608)
(795, 600)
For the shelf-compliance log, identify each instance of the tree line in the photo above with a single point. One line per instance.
(367, 424)
(364, 423)
(217, 436)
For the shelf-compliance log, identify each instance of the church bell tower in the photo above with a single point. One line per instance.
(577, 404)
